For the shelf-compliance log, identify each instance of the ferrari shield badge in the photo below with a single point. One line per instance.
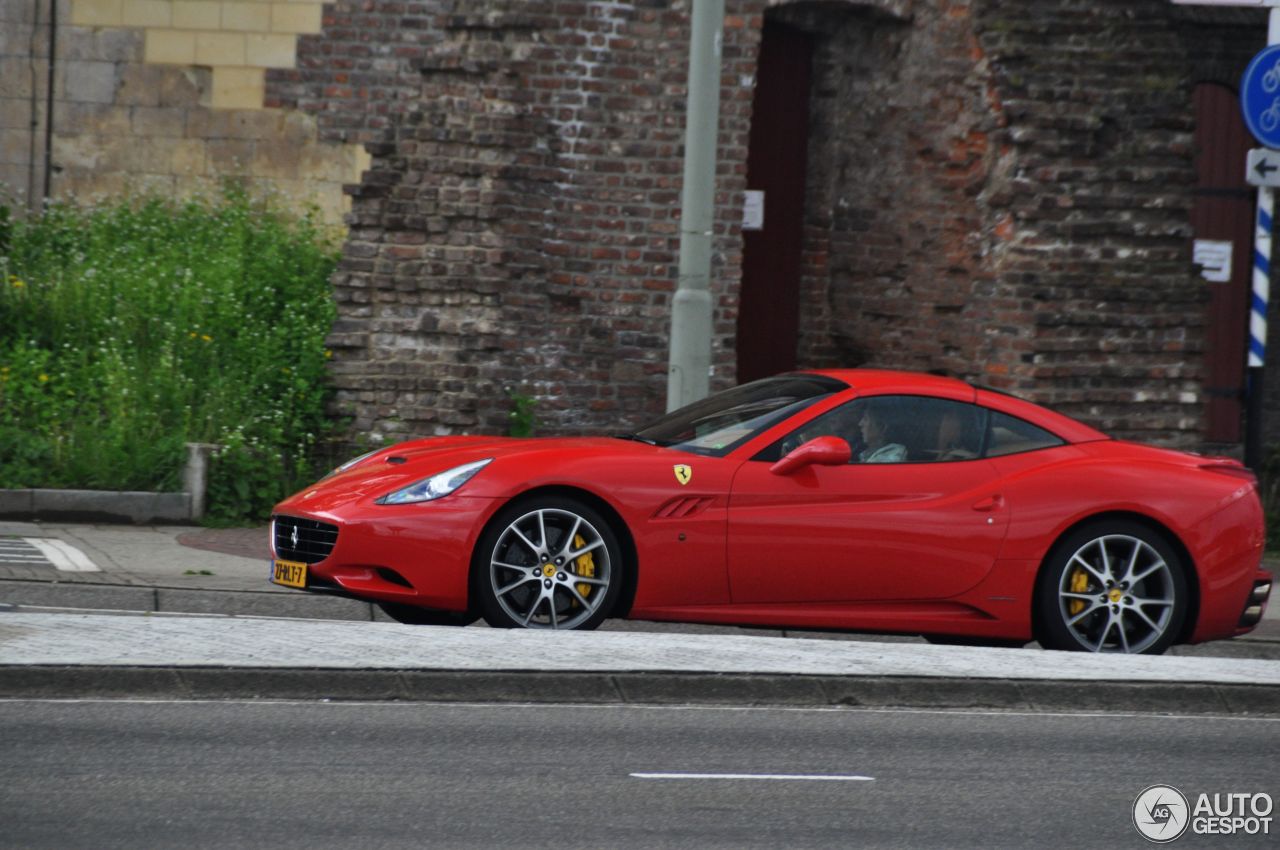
(683, 473)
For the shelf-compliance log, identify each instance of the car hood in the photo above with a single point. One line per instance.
(398, 466)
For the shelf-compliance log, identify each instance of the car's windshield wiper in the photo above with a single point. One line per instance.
(637, 438)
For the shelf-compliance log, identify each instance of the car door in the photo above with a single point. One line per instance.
(926, 522)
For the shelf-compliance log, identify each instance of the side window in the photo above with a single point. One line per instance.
(895, 429)
(1007, 436)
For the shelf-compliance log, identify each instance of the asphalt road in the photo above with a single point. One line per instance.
(315, 775)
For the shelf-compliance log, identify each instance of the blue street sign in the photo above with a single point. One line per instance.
(1260, 96)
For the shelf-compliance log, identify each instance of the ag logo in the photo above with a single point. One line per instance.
(1161, 813)
(683, 473)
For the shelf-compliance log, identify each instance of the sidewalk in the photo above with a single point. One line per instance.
(181, 612)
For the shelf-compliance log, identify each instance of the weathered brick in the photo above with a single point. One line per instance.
(97, 13)
(158, 121)
(91, 82)
(145, 13)
(219, 49)
(246, 16)
(237, 88)
(170, 46)
(197, 14)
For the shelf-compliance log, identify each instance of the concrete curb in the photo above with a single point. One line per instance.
(137, 507)
(176, 600)
(712, 689)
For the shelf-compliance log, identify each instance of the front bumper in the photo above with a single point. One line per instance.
(417, 554)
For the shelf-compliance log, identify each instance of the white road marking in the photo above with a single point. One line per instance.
(776, 777)
(15, 551)
(63, 555)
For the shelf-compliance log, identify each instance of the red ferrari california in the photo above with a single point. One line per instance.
(852, 500)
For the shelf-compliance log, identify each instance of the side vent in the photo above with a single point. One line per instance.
(683, 507)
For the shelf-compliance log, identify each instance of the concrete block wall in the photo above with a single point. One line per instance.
(165, 96)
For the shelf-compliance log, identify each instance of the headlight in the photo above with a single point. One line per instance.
(436, 486)
(353, 462)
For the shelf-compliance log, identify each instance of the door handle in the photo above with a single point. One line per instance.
(988, 504)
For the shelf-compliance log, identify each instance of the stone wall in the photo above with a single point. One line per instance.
(996, 190)
(163, 96)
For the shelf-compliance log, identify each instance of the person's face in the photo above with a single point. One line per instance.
(872, 428)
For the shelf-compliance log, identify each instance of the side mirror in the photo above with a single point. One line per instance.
(824, 451)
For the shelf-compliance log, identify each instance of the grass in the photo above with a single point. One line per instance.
(131, 328)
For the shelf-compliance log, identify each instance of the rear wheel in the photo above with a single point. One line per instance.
(1112, 587)
(551, 563)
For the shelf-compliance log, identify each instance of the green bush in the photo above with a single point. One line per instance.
(129, 329)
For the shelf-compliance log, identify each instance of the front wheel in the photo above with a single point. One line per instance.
(551, 563)
(1112, 587)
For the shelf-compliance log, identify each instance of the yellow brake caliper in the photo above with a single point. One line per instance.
(1079, 584)
(586, 566)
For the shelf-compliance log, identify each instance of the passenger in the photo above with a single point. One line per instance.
(954, 438)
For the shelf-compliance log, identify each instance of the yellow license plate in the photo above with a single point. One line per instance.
(291, 573)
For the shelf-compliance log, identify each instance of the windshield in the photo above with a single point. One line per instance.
(718, 424)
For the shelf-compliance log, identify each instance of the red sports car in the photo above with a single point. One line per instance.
(855, 500)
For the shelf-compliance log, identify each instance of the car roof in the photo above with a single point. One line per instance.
(888, 381)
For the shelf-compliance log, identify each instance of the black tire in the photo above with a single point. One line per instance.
(958, 640)
(569, 579)
(414, 616)
(1112, 586)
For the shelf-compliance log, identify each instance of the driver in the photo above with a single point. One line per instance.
(875, 437)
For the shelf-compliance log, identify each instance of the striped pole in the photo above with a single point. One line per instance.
(1261, 278)
(1253, 433)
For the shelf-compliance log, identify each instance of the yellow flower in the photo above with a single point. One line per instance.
(327, 354)
(193, 334)
(44, 379)
(206, 337)
(17, 284)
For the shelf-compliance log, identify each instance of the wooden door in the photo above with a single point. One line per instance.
(1223, 212)
(769, 308)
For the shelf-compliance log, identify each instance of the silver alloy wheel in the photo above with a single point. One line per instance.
(1116, 594)
(550, 569)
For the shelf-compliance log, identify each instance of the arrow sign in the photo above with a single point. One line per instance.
(1262, 168)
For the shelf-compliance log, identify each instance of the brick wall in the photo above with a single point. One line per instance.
(519, 227)
(899, 224)
(999, 192)
(1097, 194)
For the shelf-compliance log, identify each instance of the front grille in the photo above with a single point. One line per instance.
(314, 540)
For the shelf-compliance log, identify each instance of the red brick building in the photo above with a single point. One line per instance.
(1008, 191)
